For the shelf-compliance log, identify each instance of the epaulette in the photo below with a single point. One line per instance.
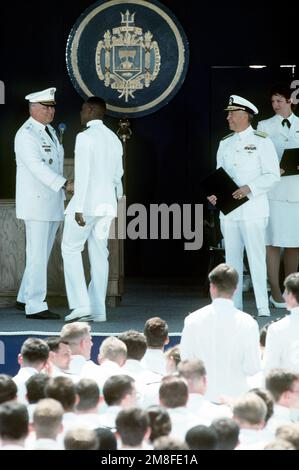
(261, 134)
(29, 127)
(228, 135)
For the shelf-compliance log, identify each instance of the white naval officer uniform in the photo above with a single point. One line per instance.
(227, 341)
(39, 201)
(98, 172)
(249, 157)
(282, 229)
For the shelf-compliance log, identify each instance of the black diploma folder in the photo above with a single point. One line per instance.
(222, 186)
(290, 161)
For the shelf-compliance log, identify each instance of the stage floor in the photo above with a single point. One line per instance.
(142, 300)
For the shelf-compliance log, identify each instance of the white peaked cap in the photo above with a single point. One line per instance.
(46, 97)
(238, 103)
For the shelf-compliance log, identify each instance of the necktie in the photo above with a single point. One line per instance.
(287, 122)
(49, 133)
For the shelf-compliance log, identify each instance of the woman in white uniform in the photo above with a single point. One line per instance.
(282, 230)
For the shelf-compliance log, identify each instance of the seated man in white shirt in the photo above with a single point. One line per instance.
(87, 408)
(156, 333)
(133, 428)
(119, 392)
(14, 425)
(112, 356)
(59, 357)
(47, 423)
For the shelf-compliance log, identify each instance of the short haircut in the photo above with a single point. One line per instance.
(192, 369)
(89, 394)
(132, 424)
(8, 388)
(291, 284)
(34, 351)
(289, 432)
(250, 409)
(282, 89)
(279, 381)
(54, 342)
(107, 439)
(156, 332)
(116, 388)
(47, 417)
(160, 422)
(227, 431)
(225, 278)
(98, 104)
(14, 421)
(201, 438)
(135, 342)
(173, 391)
(63, 390)
(169, 443)
(36, 386)
(268, 399)
(279, 444)
(113, 349)
(74, 332)
(81, 439)
(174, 353)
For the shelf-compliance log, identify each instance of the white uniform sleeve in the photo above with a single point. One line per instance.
(82, 170)
(28, 152)
(272, 351)
(270, 169)
(252, 360)
(219, 156)
(187, 342)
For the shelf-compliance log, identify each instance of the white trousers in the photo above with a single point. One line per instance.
(251, 235)
(40, 238)
(95, 232)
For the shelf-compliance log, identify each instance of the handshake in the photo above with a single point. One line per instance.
(69, 186)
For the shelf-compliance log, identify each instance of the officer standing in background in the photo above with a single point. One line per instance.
(40, 198)
(282, 230)
(249, 157)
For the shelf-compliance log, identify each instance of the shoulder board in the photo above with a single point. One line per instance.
(228, 135)
(28, 127)
(261, 134)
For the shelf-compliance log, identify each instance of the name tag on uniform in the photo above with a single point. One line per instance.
(250, 148)
(47, 148)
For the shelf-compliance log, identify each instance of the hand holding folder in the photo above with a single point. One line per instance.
(227, 192)
(290, 162)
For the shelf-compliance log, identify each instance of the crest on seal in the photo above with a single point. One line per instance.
(127, 59)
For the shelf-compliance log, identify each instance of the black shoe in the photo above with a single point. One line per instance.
(20, 306)
(45, 315)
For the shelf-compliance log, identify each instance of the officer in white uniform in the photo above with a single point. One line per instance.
(39, 198)
(282, 230)
(98, 172)
(249, 157)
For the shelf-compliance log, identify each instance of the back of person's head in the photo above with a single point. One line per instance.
(34, 352)
(225, 278)
(63, 390)
(173, 358)
(135, 343)
(192, 369)
(201, 438)
(279, 444)
(72, 333)
(117, 387)
(8, 388)
(98, 104)
(132, 425)
(36, 386)
(89, 394)
(47, 418)
(279, 381)
(14, 421)
(156, 332)
(160, 422)
(291, 284)
(289, 432)
(169, 443)
(113, 349)
(268, 399)
(282, 89)
(227, 431)
(173, 392)
(106, 439)
(81, 439)
(250, 410)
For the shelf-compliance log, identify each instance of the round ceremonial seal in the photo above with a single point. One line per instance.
(132, 53)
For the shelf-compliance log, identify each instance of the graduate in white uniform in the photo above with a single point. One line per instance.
(250, 158)
(40, 198)
(282, 230)
(97, 187)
